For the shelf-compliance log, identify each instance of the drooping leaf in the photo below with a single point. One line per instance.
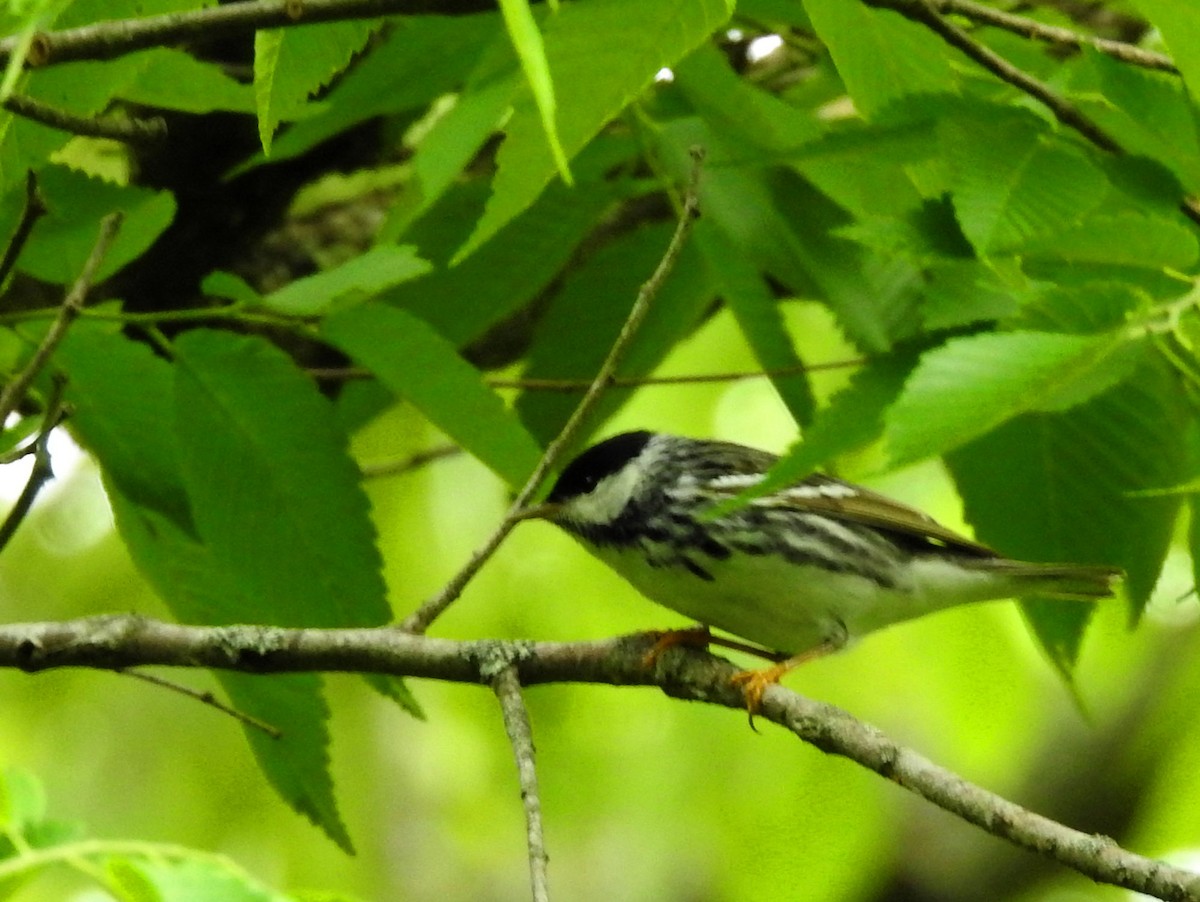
(199, 589)
(421, 59)
(880, 56)
(1011, 181)
(509, 271)
(527, 41)
(267, 474)
(362, 276)
(1064, 487)
(758, 316)
(178, 81)
(121, 395)
(62, 240)
(574, 336)
(1127, 239)
(853, 419)
(421, 366)
(599, 64)
(290, 64)
(970, 385)
(1180, 31)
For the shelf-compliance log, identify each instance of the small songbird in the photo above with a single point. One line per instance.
(800, 571)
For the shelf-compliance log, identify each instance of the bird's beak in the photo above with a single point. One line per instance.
(543, 511)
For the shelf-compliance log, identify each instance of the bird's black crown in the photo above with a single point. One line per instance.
(603, 459)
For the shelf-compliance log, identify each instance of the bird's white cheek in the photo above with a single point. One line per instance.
(606, 501)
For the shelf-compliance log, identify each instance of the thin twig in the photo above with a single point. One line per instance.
(130, 131)
(34, 209)
(530, 383)
(42, 471)
(107, 40)
(507, 686)
(205, 698)
(1052, 34)
(925, 13)
(120, 641)
(430, 610)
(14, 392)
(406, 464)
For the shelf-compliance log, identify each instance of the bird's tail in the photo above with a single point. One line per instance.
(1083, 582)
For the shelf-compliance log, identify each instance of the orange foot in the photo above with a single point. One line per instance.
(693, 637)
(755, 682)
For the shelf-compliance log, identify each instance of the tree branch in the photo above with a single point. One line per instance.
(430, 610)
(121, 641)
(34, 209)
(72, 304)
(1052, 34)
(507, 685)
(41, 473)
(131, 131)
(925, 13)
(106, 40)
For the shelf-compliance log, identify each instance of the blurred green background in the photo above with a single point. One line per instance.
(645, 797)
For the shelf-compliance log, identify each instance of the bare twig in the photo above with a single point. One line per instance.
(420, 619)
(34, 209)
(67, 313)
(1052, 34)
(528, 383)
(406, 464)
(121, 641)
(205, 698)
(925, 13)
(507, 686)
(107, 40)
(42, 471)
(131, 131)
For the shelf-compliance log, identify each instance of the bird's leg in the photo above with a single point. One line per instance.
(696, 636)
(700, 636)
(755, 682)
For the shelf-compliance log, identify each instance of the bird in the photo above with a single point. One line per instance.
(800, 571)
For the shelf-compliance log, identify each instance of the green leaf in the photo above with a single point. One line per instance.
(1180, 30)
(584, 319)
(120, 393)
(22, 800)
(527, 41)
(758, 316)
(1125, 239)
(197, 878)
(417, 363)
(178, 81)
(447, 148)
(290, 64)
(599, 64)
(297, 764)
(970, 385)
(508, 272)
(62, 239)
(1011, 182)
(853, 419)
(1148, 113)
(722, 96)
(365, 275)
(199, 589)
(221, 284)
(880, 56)
(267, 473)
(785, 226)
(420, 59)
(1062, 487)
